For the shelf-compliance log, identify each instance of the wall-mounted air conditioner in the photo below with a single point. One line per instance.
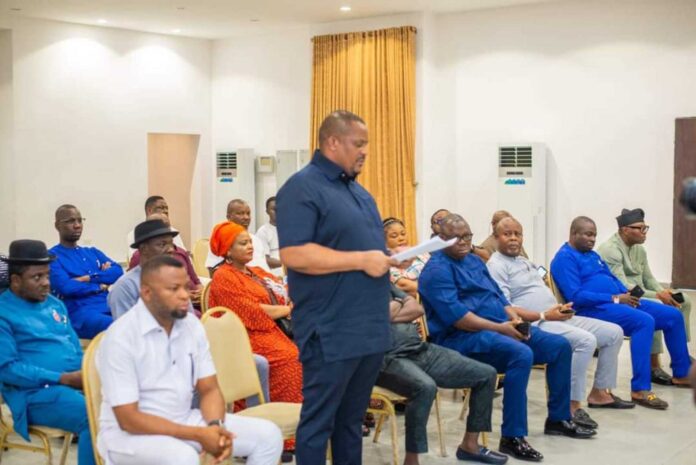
(522, 192)
(234, 179)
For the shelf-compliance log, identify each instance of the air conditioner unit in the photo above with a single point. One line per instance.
(522, 192)
(234, 179)
(289, 162)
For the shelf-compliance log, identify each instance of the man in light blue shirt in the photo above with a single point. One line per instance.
(41, 357)
(521, 283)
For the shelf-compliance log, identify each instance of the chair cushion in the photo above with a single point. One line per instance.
(392, 396)
(285, 415)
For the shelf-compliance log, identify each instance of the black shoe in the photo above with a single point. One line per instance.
(617, 403)
(520, 449)
(659, 376)
(582, 418)
(484, 456)
(567, 428)
(286, 456)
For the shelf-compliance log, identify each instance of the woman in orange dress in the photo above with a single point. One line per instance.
(259, 299)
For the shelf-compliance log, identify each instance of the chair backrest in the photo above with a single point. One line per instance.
(200, 253)
(554, 289)
(91, 385)
(205, 295)
(232, 355)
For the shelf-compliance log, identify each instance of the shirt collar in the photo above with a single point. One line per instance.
(146, 322)
(329, 168)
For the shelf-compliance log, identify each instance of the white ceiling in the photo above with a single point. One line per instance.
(214, 19)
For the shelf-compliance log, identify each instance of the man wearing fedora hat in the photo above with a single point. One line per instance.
(628, 260)
(152, 238)
(41, 355)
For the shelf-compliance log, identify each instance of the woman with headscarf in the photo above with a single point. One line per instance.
(259, 299)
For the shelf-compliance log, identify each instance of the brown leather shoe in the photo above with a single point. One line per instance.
(651, 401)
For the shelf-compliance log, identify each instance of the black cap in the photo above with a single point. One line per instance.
(630, 216)
(149, 229)
(28, 252)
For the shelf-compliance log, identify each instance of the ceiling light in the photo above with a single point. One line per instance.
(254, 20)
(345, 8)
(176, 31)
(102, 21)
(181, 8)
(15, 9)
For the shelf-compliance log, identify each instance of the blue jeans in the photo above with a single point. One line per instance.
(418, 376)
(64, 408)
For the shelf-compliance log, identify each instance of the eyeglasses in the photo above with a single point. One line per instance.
(73, 221)
(462, 238)
(643, 229)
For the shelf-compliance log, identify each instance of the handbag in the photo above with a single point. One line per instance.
(284, 323)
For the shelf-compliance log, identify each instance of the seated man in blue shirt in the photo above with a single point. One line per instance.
(468, 312)
(41, 356)
(584, 278)
(81, 276)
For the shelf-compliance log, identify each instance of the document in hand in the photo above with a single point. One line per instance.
(431, 245)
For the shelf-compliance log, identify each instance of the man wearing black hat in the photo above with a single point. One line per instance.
(41, 356)
(628, 261)
(152, 238)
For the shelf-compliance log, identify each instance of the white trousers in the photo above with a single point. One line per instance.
(260, 441)
(584, 335)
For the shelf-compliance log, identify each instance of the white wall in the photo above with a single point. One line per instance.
(261, 92)
(260, 100)
(84, 100)
(7, 182)
(599, 82)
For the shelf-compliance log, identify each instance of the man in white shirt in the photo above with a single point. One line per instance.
(268, 235)
(151, 361)
(153, 204)
(238, 211)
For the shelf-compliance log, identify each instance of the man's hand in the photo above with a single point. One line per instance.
(83, 279)
(104, 287)
(375, 263)
(216, 441)
(106, 266)
(195, 293)
(508, 329)
(555, 313)
(666, 298)
(72, 379)
(628, 299)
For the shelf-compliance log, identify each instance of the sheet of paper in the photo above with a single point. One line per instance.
(431, 245)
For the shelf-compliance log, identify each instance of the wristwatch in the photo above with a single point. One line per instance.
(542, 317)
(217, 422)
(615, 299)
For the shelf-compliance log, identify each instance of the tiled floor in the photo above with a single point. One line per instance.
(636, 437)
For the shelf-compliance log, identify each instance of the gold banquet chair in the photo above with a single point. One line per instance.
(200, 253)
(236, 371)
(91, 384)
(205, 297)
(44, 433)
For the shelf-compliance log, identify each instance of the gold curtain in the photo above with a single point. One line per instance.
(373, 75)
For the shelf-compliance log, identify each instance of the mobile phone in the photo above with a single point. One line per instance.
(679, 297)
(637, 291)
(567, 311)
(523, 328)
(542, 272)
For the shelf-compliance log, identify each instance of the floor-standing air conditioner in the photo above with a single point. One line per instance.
(289, 162)
(522, 192)
(234, 179)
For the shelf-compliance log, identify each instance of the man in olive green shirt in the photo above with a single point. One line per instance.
(628, 261)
